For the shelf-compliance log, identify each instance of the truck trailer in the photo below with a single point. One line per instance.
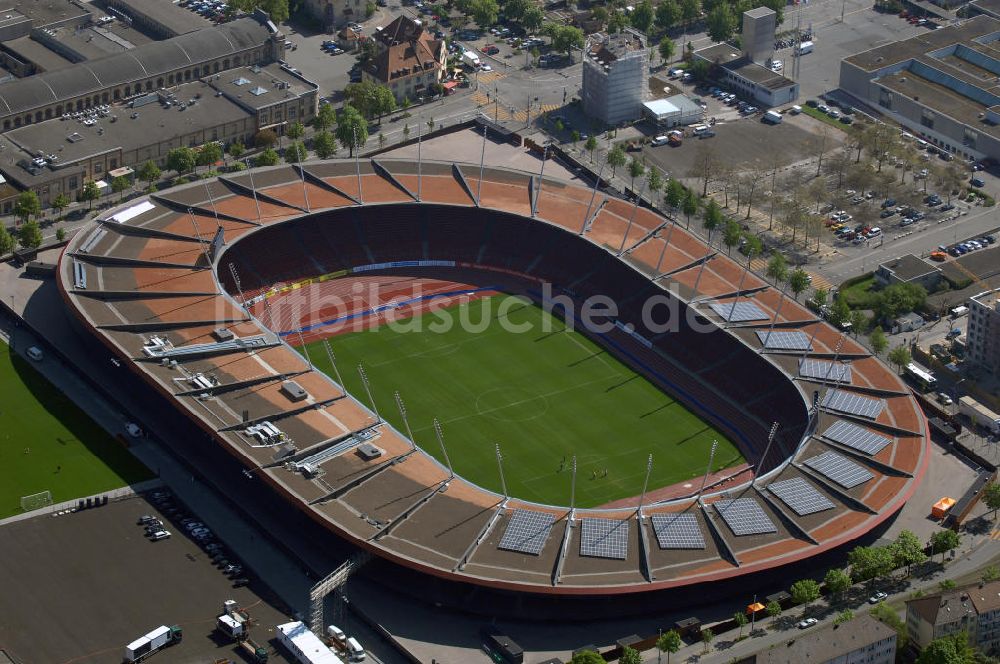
(153, 642)
(470, 60)
(979, 414)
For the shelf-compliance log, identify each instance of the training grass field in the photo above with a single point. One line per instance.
(543, 395)
(48, 443)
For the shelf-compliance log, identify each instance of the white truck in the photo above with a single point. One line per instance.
(153, 642)
(471, 60)
(305, 647)
(771, 117)
(804, 47)
(979, 414)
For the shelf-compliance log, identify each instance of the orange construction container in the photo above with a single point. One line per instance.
(941, 507)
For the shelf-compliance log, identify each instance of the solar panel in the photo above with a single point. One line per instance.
(784, 340)
(853, 404)
(745, 517)
(824, 370)
(678, 531)
(857, 437)
(604, 538)
(840, 469)
(739, 312)
(801, 496)
(527, 531)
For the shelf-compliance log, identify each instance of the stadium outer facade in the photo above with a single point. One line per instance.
(149, 282)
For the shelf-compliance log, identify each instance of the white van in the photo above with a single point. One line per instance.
(699, 129)
(795, 110)
(354, 650)
(336, 634)
(675, 72)
(659, 140)
(804, 47)
(771, 117)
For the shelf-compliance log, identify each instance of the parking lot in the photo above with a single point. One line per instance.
(79, 587)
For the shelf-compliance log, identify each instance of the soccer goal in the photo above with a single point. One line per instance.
(36, 501)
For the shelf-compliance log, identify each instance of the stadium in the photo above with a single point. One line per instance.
(709, 428)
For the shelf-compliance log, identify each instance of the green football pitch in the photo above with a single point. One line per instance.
(544, 395)
(48, 443)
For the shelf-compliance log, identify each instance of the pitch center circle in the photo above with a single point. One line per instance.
(511, 404)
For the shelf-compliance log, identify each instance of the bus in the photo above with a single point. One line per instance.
(920, 377)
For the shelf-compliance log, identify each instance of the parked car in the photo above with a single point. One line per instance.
(977, 182)
(240, 582)
(159, 535)
(946, 207)
(944, 399)
(807, 623)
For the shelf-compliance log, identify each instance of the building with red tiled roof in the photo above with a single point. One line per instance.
(408, 61)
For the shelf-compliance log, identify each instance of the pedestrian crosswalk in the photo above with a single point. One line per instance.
(995, 535)
(490, 76)
(521, 115)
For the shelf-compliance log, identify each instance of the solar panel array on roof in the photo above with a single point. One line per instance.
(604, 538)
(840, 469)
(745, 517)
(739, 312)
(527, 531)
(857, 437)
(853, 404)
(825, 370)
(801, 496)
(678, 531)
(778, 340)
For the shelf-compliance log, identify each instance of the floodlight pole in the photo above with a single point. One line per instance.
(774, 321)
(368, 389)
(305, 349)
(197, 233)
(701, 270)
(836, 355)
(406, 421)
(239, 288)
(305, 193)
(711, 458)
(767, 448)
(753, 615)
(503, 481)
(333, 363)
(444, 450)
(419, 162)
(482, 169)
(253, 189)
(572, 492)
(645, 484)
(593, 195)
(631, 218)
(357, 163)
(812, 338)
(211, 200)
(541, 176)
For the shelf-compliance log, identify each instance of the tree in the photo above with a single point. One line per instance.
(706, 637)
(805, 592)
(878, 340)
(773, 609)
(295, 131)
(60, 234)
(991, 496)
(884, 614)
(617, 22)
(899, 298)
(630, 656)
(752, 246)
(182, 160)
(741, 622)
(704, 167)
(944, 540)
(532, 18)
(870, 562)
(483, 12)
(590, 146)
(635, 169)
(323, 145)
(666, 48)
(149, 173)
(721, 23)
(836, 581)
(119, 185)
(820, 296)
(712, 218)
(27, 205)
(267, 158)
(840, 313)
(731, 235)
(667, 14)
(295, 153)
(236, 149)
(60, 203)
(844, 616)
(6, 241)
(991, 574)
(907, 550)
(798, 281)
(352, 129)
(587, 657)
(90, 193)
(29, 235)
(689, 205)
(674, 195)
(654, 181)
(690, 9)
(325, 118)
(370, 99)
(277, 10)
(777, 268)
(900, 356)
(951, 649)
(858, 322)
(616, 157)
(642, 16)
(669, 642)
(265, 138)
(947, 584)
(566, 38)
(209, 154)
